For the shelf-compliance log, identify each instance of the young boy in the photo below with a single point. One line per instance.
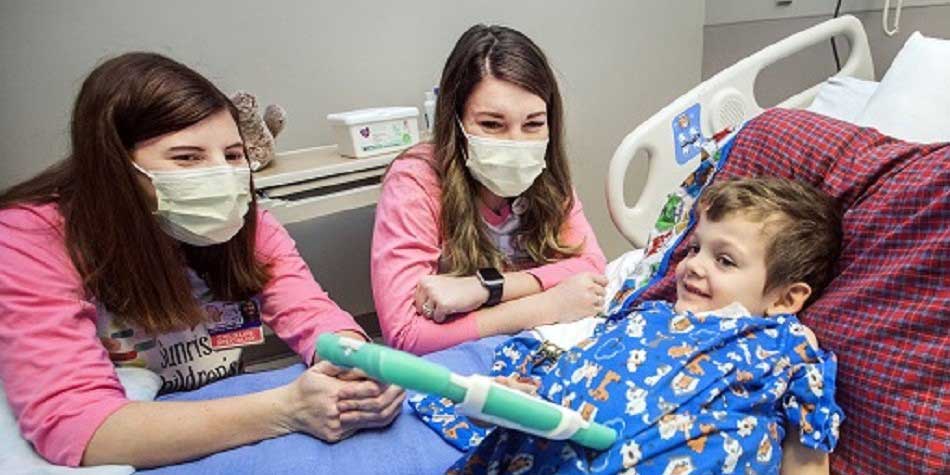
(710, 384)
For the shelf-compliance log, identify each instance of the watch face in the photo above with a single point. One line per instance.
(490, 276)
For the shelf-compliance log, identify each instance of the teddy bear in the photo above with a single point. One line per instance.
(258, 132)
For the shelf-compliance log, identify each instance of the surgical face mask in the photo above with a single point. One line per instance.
(506, 167)
(202, 206)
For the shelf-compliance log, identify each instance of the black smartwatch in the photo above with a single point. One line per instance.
(492, 280)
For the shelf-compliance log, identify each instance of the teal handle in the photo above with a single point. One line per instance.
(411, 372)
(392, 366)
(597, 436)
(542, 416)
(517, 406)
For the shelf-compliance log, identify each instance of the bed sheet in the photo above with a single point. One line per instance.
(406, 447)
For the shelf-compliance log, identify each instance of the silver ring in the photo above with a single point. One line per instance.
(427, 309)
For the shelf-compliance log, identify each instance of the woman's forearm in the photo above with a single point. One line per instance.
(577, 297)
(513, 316)
(148, 434)
(518, 285)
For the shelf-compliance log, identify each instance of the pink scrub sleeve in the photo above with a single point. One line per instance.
(293, 304)
(406, 248)
(56, 374)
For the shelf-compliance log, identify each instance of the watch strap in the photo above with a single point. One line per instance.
(494, 295)
(493, 281)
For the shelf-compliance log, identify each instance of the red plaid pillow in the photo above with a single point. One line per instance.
(887, 313)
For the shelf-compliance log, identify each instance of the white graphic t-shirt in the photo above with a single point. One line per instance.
(186, 359)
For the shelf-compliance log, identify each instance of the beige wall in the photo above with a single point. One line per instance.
(618, 62)
(724, 44)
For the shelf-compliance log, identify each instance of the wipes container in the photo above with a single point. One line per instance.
(368, 132)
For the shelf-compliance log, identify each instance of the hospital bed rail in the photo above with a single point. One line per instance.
(726, 100)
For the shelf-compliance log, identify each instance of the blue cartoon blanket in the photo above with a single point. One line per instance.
(688, 393)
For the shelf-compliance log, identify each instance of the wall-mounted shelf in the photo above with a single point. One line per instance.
(309, 183)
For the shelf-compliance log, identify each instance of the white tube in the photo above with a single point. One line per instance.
(897, 17)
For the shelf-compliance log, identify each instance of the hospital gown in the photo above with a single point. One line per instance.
(687, 393)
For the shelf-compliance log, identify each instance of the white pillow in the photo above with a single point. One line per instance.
(843, 97)
(912, 102)
(140, 384)
(18, 457)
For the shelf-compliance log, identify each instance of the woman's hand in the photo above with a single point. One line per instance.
(438, 296)
(576, 297)
(369, 406)
(331, 404)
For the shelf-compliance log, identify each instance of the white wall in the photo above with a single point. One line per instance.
(618, 62)
(719, 12)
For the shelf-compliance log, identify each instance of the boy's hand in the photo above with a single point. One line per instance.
(520, 383)
(800, 460)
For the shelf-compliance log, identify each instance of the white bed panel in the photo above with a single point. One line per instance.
(727, 99)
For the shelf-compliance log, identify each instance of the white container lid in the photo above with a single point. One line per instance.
(363, 116)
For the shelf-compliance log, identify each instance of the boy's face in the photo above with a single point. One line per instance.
(725, 264)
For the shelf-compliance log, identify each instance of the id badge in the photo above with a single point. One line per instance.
(234, 324)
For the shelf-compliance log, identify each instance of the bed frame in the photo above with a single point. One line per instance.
(726, 100)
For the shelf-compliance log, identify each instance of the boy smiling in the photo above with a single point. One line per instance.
(711, 383)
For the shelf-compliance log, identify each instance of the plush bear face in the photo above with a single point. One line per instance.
(258, 132)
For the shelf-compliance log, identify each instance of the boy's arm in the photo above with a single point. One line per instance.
(800, 460)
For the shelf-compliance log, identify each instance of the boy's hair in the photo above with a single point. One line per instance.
(801, 223)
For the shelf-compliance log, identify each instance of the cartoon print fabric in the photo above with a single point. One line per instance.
(518, 355)
(687, 393)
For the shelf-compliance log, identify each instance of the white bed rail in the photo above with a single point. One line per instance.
(726, 99)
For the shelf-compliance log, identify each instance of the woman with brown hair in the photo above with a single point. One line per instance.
(141, 249)
(480, 232)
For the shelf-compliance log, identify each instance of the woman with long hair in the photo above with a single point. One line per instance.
(480, 232)
(145, 248)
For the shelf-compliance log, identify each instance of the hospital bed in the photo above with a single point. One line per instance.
(409, 447)
(886, 312)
